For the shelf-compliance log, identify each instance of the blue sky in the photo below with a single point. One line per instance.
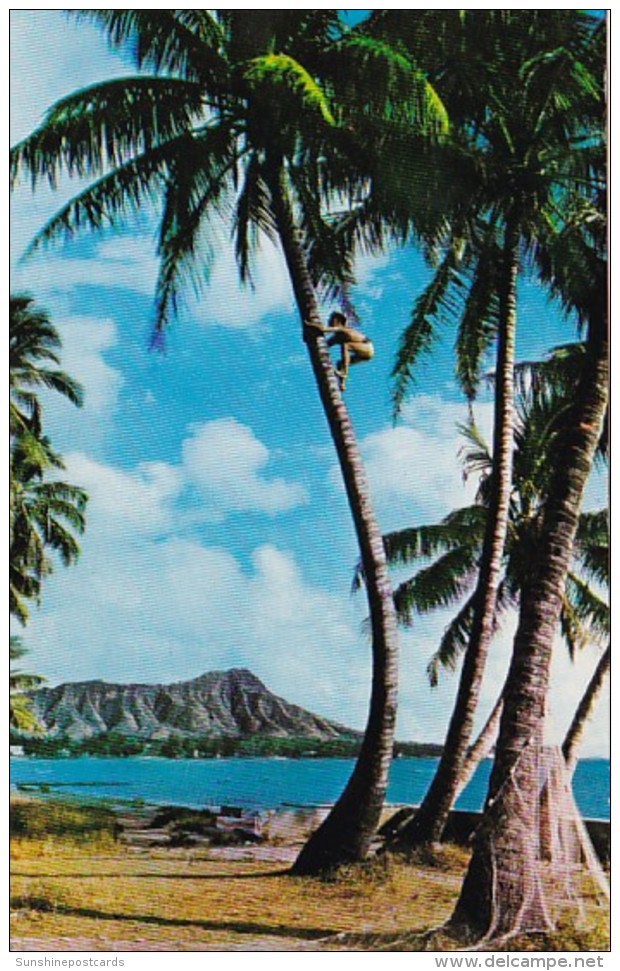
(218, 533)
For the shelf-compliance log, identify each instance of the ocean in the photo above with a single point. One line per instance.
(266, 783)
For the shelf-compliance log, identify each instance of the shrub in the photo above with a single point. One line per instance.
(39, 818)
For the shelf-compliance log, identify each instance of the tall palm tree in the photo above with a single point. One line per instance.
(523, 87)
(454, 547)
(33, 344)
(586, 621)
(244, 115)
(45, 514)
(503, 892)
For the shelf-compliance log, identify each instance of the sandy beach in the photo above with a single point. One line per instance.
(87, 879)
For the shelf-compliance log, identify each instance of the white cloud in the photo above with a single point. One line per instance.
(84, 343)
(222, 465)
(133, 504)
(172, 609)
(125, 263)
(414, 470)
(226, 464)
(74, 56)
(225, 302)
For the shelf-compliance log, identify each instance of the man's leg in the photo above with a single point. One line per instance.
(343, 371)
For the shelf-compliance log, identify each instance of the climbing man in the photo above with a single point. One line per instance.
(354, 346)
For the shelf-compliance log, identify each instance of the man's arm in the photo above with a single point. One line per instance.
(324, 330)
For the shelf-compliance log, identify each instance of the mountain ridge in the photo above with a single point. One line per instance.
(218, 704)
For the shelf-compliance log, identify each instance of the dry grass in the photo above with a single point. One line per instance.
(72, 894)
(187, 902)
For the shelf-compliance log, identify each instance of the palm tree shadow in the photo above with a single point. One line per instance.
(238, 927)
(262, 875)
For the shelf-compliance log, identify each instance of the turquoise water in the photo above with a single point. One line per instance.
(266, 783)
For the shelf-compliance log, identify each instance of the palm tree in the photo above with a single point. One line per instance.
(45, 514)
(570, 745)
(33, 343)
(245, 116)
(454, 548)
(503, 891)
(524, 147)
(587, 620)
(21, 717)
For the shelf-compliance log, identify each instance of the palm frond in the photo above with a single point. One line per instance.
(439, 585)
(587, 607)
(108, 200)
(592, 545)
(475, 456)
(330, 259)
(106, 125)
(478, 324)
(418, 337)
(572, 629)
(454, 641)
(197, 193)
(252, 214)
(281, 76)
(33, 343)
(21, 718)
(459, 528)
(189, 43)
(53, 380)
(400, 92)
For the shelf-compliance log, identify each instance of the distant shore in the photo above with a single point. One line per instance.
(262, 783)
(180, 747)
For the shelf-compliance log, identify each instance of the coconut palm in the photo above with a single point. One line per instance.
(570, 745)
(21, 717)
(454, 546)
(244, 116)
(46, 515)
(524, 89)
(503, 891)
(33, 344)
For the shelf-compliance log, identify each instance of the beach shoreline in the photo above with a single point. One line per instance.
(87, 878)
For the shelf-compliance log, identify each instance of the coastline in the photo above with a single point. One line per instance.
(263, 784)
(287, 826)
(90, 886)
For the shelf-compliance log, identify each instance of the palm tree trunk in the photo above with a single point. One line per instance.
(482, 746)
(429, 822)
(570, 746)
(480, 749)
(503, 892)
(346, 833)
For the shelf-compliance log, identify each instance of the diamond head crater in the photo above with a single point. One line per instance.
(219, 713)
